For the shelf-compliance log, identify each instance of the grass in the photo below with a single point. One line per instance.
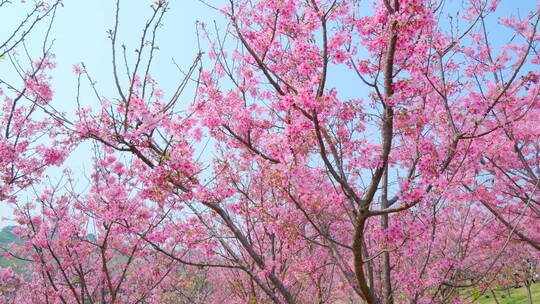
(517, 296)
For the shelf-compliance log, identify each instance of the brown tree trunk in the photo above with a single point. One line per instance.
(365, 289)
(387, 297)
(529, 295)
(494, 296)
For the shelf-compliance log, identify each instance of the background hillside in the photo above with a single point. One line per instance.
(7, 237)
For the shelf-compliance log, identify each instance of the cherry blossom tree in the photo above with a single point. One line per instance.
(334, 151)
(23, 155)
(437, 96)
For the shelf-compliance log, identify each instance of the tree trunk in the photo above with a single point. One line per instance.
(494, 296)
(358, 259)
(387, 297)
(528, 285)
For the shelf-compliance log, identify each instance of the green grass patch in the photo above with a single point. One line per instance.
(517, 296)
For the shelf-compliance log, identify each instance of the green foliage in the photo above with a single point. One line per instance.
(7, 237)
